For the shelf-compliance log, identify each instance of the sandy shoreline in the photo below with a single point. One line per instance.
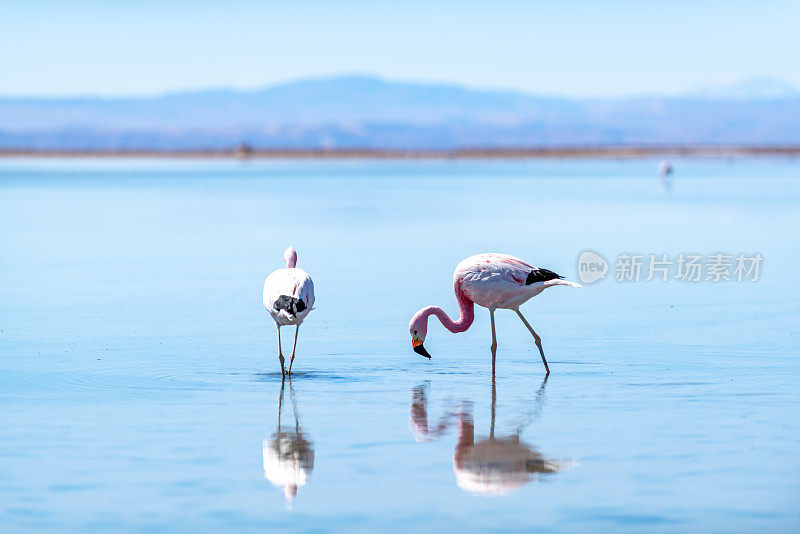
(625, 152)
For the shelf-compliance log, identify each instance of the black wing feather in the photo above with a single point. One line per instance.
(291, 304)
(541, 275)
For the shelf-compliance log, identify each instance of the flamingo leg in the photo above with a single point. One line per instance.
(280, 353)
(294, 347)
(494, 340)
(536, 339)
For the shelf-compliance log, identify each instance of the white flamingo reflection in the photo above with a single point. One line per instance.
(288, 454)
(491, 466)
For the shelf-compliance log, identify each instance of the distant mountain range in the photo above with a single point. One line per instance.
(366, 112)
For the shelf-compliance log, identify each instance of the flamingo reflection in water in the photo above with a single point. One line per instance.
(288, 454)
(492, 466)
(419, 416)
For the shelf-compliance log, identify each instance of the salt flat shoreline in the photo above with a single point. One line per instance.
(611, 152)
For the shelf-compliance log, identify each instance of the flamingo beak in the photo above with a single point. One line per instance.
(416, 344)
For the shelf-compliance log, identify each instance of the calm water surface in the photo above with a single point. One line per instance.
(141, 389)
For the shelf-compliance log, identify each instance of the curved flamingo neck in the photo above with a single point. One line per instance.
(465, 306)
(290, 257)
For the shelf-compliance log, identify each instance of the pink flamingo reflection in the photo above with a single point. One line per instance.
(419, 417)
(491, 466)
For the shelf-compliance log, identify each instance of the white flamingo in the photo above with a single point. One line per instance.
(492, 281)
(288, 297)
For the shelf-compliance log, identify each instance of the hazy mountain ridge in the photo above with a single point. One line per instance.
(367, 112)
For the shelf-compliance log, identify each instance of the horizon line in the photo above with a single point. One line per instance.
(245, 152)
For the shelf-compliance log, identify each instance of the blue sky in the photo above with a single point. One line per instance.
(572, 48)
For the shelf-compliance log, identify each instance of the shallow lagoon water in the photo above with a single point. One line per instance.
(140, 381)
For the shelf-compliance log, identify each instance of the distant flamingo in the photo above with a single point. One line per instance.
(665, 171)
(288, 297)
(492, 281)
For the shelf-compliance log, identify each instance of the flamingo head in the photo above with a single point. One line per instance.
(418, 328)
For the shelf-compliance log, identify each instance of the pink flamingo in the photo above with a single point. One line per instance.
(492, 281)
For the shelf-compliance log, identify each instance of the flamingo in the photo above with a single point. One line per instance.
(493, 281)
(289, 298)
(665, 170)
